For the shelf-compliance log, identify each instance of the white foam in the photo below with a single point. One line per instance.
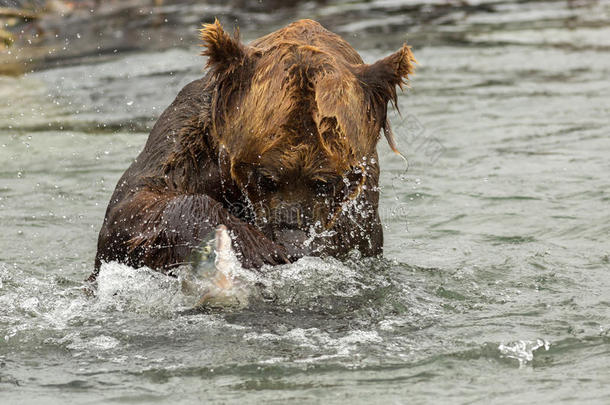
(124, 288)
(522, 350)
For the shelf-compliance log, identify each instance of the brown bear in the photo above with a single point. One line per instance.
(277, 142)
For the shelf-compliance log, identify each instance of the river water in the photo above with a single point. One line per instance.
(495, 286)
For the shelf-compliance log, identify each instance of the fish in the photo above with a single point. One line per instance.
(213, 275)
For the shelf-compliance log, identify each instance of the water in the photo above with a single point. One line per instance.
(495, 284)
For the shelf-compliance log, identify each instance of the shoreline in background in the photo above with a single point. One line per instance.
(64, 33)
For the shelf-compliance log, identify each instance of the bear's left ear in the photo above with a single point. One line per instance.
(225, 53)
(382, 77)
(379, 82)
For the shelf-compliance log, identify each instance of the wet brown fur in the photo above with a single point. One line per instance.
(297, 107)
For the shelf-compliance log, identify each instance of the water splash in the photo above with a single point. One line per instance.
(143, 290)
(310, 284)
(321, 285)
(522, 350)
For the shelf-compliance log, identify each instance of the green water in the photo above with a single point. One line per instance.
(495, 286)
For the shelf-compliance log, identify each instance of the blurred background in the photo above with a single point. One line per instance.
(51, 33)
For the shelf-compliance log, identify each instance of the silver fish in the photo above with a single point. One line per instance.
(213, 274)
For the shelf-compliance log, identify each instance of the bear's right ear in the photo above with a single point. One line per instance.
(225, 53)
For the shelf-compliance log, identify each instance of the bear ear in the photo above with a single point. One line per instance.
(379, 82)
(382, 77)
(224, 52)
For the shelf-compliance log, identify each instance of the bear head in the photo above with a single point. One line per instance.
(296, 116)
